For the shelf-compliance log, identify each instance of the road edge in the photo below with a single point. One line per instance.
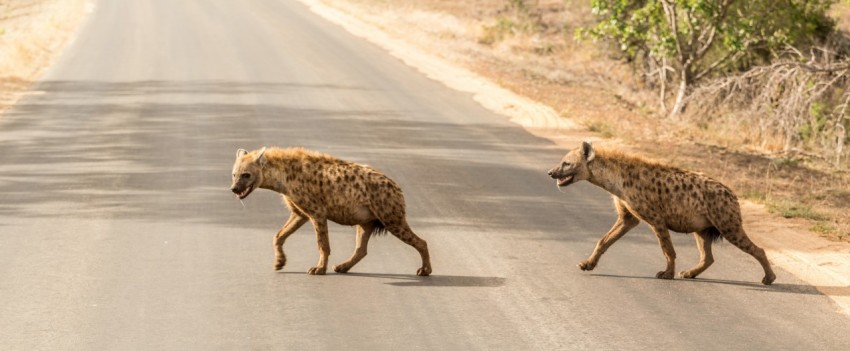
(822, 263)
(63, 34)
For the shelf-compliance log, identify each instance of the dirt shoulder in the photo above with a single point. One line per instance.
(418, 36)
(32, 33)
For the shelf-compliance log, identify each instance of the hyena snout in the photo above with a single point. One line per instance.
(237, 187)
(561, 171)
(242, 190)
(561, 176)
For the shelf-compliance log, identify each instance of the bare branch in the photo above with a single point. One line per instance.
(785, 101)
(726, 58)
(723, 10)
(673, 19)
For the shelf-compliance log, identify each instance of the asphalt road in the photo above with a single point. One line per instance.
(119, 232)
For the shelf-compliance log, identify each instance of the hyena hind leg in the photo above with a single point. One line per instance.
(736, 236)
(704, 239)
(364, 232)
(402, 231)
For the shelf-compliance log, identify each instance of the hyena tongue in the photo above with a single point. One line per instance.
(240, 200)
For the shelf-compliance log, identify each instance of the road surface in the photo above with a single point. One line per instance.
(119, 232)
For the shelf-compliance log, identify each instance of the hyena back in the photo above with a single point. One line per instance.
(318, 188)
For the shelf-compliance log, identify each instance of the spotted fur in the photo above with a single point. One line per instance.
(666, 198)
(318, 188)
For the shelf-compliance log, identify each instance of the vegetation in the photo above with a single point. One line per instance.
(730, 128)
(691, 39)
(802, 104)
(741, 59)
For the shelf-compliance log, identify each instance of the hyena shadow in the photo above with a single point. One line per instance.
(430, 281)
(800, 289)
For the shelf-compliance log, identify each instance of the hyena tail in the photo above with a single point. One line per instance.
(714, 235)
(380, 229)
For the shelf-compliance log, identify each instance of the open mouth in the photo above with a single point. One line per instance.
(244, 193)
(565, 180)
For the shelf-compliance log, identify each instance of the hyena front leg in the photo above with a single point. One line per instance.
(321, 226)
(364, 231)
(296, 220)
(625, 222)
(663, 236)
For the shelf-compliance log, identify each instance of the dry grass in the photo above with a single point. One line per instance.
(31, 34)
(841, 12)
(530, 48)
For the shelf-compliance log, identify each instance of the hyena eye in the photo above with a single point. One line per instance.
(565, 164)
(246, 175)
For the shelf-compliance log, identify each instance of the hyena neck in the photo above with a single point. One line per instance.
(607, 173)
(274, 174)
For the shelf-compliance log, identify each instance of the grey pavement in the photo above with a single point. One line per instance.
(118, 232)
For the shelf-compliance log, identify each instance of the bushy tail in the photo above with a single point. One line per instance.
(714, 235)
(380, 229)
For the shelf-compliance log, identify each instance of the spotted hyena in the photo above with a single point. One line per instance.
(664, 197)
(317, 188)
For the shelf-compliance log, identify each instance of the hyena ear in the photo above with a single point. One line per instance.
(587, 151)
(260, 158)
(240, 153)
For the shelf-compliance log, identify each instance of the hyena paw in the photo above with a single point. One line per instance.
(664, 275)
(316, 271)
(586, 265)
(342, 268)
(423, 272)
(768, 279)
(279, 263)
(687, 274)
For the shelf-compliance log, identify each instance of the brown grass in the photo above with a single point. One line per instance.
(32, 33)
(531, 49)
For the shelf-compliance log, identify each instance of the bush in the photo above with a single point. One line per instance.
(685, 41)
(801, 102)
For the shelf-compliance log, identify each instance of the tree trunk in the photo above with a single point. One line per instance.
(663, 78)
(684, 84)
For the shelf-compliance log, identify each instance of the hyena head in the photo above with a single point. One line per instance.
(248, 172)
(573, 166)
